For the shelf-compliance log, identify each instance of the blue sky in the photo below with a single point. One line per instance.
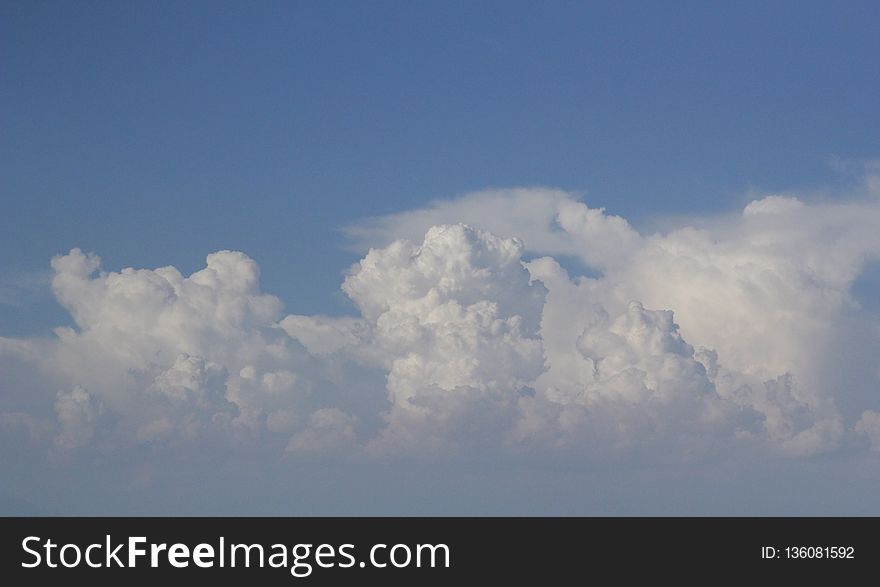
(156, 133)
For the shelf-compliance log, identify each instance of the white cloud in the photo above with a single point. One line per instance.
(547, 221)
(681, 342)
(171, 359)
(454, 322)
(772, 205)
(761, 292)
(137, 316)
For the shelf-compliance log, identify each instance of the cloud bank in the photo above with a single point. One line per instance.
(473, 338)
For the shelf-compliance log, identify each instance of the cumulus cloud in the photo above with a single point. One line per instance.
(172, 360)
(471, 337)
(772, 205)
(139, 316)
(762, 292)
(548, 221)
(454, 320)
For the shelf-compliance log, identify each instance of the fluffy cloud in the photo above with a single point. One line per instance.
(761, 292)
(140, 316)
(170, 360)
(549, 222)
(455, 320)
(473, 338)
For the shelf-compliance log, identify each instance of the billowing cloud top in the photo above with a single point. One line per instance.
(473, 338)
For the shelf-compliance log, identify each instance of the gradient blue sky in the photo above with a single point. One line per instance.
(155, 133)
